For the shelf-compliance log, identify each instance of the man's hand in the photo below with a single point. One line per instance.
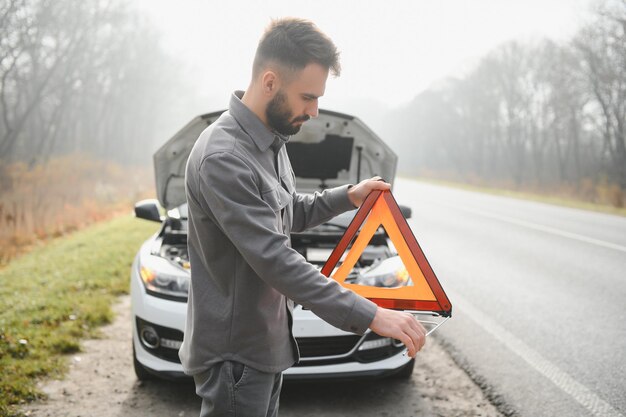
(401, 326)
(359, 192)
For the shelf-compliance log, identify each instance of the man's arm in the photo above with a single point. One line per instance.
(312, 210)
(248, 221)
(228, 188)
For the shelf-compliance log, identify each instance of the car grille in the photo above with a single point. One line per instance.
(373, 355)
(312, 347)
(315, 351)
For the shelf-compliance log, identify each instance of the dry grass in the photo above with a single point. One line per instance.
(65, 194)
(597, 195)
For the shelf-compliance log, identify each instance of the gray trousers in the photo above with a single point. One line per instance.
(232, 389)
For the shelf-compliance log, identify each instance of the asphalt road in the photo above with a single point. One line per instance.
(538, 294)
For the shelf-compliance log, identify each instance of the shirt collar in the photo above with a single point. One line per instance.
(253, 126)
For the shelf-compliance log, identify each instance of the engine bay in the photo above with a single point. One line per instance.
(315, 245)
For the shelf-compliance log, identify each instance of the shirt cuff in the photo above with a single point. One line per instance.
(338, 199)
(361, 316)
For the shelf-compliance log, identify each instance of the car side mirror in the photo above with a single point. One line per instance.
(406, 211)
(148, 210)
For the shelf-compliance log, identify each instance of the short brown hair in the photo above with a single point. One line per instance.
(293, 44)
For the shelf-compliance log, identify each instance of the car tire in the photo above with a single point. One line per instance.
(140, 371)
(407, 370)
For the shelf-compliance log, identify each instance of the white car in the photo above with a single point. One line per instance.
(331, 150)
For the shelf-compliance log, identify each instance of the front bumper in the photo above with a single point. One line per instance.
(168, 317)
(165, 313)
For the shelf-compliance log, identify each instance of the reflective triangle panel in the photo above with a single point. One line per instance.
(381, 209)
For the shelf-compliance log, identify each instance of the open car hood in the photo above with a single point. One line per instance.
(330, 150)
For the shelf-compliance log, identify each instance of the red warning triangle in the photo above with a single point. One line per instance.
(426, 293)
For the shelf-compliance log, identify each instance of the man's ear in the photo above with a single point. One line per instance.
(270, 82)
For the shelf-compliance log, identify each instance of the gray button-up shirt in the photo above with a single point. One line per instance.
(244, 272)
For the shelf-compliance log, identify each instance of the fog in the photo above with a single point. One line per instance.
(515, 94)
(390, 51)
(518, 94)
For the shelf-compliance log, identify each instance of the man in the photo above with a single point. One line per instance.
(242, 208)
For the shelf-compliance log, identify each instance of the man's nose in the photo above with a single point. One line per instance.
(312, 109)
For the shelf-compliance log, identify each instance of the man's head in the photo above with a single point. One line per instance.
(292, 44)
(290, 70)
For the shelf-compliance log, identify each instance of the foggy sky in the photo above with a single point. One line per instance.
(390, 50)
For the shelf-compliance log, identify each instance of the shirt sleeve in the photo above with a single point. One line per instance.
(229, 188)
(312, 210)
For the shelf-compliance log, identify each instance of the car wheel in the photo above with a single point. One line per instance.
(141, 372)
(407, 370)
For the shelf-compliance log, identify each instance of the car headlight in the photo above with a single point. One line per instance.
(389, 273)
(163, 279)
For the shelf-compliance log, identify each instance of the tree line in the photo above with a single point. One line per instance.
(540, 114)
(86, 77)
(91, 77)
(87, 92)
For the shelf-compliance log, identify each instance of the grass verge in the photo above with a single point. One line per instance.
(57, 294)
(525, 195)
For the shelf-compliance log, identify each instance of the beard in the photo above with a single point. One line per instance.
(280, 117)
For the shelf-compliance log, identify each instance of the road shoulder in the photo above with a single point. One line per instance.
(101, 382)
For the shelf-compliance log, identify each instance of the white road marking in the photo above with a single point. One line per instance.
(536, 226)
(583, 395)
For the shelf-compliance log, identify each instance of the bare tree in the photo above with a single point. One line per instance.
(602, 48)
(86, 76)
(542, 114)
